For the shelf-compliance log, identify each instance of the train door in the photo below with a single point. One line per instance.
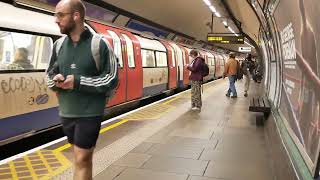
(211, 65)
(222, 61)
(180, 65)
(116, 42)
(134, 67)
(130, 70)
(186, 72)
(172, 66)
(174, 57)
(217, 66)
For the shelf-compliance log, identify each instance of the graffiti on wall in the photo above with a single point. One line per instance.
(25, 92)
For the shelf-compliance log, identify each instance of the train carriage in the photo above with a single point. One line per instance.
(25, 98)
(147, 66)
(211, 64)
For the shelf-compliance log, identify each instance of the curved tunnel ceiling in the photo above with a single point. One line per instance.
(193, 17)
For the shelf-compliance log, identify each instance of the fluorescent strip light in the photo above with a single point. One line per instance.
(207, 2)
(217, 14)
(231, 30)
(225, 23)
(248, 44)
(213, 9)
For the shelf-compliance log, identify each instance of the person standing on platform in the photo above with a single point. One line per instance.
(230, 71)
(195, 79)
(80, 85)
(247, 68)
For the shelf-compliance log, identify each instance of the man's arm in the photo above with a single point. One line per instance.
(52, 70)
(195, 66)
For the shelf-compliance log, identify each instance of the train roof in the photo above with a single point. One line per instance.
(25, 20)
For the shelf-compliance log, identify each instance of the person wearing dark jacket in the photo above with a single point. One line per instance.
(81, 86)
(247, 69)
(196, 80)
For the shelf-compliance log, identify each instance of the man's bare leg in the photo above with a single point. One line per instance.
(83, 163)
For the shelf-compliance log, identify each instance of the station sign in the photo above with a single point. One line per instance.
(244, 49)
(223, 39)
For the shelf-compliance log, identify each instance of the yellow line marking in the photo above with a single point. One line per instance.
(46, 164)
(13, 170)
(66, 146)
(173, 99)
(33, 174)
(113, 126)
(61, 148)
(158, 106)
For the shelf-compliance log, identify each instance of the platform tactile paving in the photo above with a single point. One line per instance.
(39, 165)
(152, 112)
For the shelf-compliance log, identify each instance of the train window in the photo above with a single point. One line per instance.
(117, 46)
(19, 51)
(148, 59)
(211, 61)
(161, 58)
(129, 51)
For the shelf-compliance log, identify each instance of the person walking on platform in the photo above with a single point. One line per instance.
(230, 70)
(80, 82)
(196, 80)
(247, 67)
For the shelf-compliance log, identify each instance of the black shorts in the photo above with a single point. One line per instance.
(82, 132)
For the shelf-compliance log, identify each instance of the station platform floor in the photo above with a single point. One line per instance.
(167, 141)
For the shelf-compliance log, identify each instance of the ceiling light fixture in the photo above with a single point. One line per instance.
(208, 3)
(217, 14)
(225, 23)
(212, 9)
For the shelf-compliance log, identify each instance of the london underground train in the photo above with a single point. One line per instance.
(148, 66)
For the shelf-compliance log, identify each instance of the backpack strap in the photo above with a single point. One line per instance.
(59, 43)
(95, 49)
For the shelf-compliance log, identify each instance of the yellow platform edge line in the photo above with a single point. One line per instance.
(113, 125)
(66, 146)
(173, 99)
(61, 148)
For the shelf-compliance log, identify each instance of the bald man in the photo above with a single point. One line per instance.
(81, 86)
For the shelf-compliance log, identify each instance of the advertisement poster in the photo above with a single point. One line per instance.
(299, 31)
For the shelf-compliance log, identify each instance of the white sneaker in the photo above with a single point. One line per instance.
(195, 109)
